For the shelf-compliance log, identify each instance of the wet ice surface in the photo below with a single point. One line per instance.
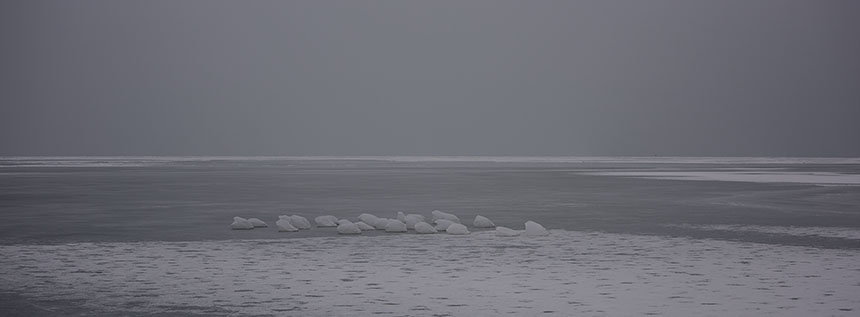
(565, 273)
(824, 232)
(753, 175)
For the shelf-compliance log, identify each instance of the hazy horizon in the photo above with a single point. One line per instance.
(433, 78)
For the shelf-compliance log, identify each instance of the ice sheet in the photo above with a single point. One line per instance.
(824, 232)
(566, 273)
(764, 176)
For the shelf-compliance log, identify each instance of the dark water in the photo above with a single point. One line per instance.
(72, 200)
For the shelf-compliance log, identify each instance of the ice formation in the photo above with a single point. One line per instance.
(343, 221)
(326, 221)
(483, 222)
(506, 232)
(395, 225)
(300, 222)
(457, 228)
(368, 218)
(284, 225)
(240, 223)
(443, 224)
(437, 215)
(401, 216)
(535, 229)
(364, 227)
(257, 223)
(412, 219)
(348, 228)
(380, 223)
(423, 227)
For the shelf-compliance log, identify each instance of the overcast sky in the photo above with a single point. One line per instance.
(685, 77)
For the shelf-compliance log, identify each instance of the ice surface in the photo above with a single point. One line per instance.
(437, 215)
(756, 176)
(443, 224)
(506, 232)
(564, 274)
(284, 225)
(824, 232)
(534, 229)
(326, 221)
(458, 229)
(483, 222)
(395, 225)
(423, 227)
(348, 228)
(364, 227)
(240, 223)
(258, 223)
(300, 222)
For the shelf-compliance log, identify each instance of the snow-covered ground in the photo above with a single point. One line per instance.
(566, 273)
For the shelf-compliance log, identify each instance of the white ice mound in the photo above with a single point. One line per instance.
(257, 223)
(364, 227)
(348, 228)
(437, 215)
(326, 221)
(368, 218)
(457, 228)
(423, 227)
(285, 225)
(401, 216)
(535, 229)
(343, 221)
(240, 223)
(506, 232)
(413, 219)
(443, 224)
(483, 222)
(395, 225)
(380, 223)
(300, 222)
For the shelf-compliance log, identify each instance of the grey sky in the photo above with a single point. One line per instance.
(686, 77)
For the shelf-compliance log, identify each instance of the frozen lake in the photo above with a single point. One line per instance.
(630, 236)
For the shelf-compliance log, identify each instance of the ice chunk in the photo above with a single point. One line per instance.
(240, 223)
(535, 229)
(401, 216)
(343, 221)
(380, 223)
(285, 225)
(368, 218)
(506, 232)
(423, 227)
(411, 220)
(437, 215)
(257, 223)
(395, 225)
(326, 221)
(483, 222)
(300, 222)
(443, 224)
(456, 228)
(364, 227)
(348, 228)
